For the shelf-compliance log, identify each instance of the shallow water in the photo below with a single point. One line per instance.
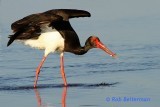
(95, 79)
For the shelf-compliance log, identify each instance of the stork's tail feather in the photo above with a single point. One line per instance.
(11, 39)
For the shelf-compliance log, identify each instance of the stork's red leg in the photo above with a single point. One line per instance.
(38, 70)
(62, 69)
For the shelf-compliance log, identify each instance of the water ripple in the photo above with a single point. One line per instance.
(30, 87)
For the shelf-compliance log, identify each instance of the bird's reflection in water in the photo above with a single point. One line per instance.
(38, 97)
(40, 102)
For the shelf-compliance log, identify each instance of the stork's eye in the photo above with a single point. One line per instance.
(94, 41)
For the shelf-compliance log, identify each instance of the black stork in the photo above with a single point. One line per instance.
(51, 31)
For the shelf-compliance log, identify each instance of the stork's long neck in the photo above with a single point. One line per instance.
(84, 49)
(81, 50)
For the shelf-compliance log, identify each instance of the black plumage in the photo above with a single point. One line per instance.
(30, 26)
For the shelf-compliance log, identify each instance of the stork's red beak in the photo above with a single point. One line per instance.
(104, 48)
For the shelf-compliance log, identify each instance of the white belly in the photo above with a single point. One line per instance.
(49, 41)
